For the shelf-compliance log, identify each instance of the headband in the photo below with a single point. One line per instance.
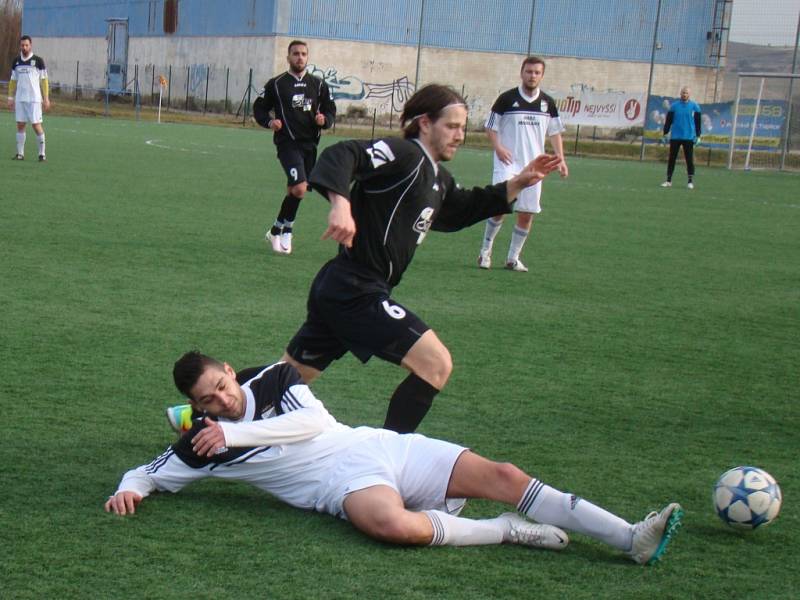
(440, 110)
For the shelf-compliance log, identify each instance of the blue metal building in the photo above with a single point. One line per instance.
(620, 30)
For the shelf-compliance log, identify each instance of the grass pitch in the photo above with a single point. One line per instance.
(653, 345)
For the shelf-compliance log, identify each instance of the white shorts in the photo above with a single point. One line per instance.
(529, 198)
(28, 112)
(416, 467)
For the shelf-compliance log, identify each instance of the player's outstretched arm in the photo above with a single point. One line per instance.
(533, 173)
(123, 503)
(341, 226)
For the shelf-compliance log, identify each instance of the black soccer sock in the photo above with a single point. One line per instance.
(409, 404)
(289, 208)
(276, 228)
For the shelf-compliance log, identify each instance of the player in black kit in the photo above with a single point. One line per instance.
(296, 106)
(399, 191)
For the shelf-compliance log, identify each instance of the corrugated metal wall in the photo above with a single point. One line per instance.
(86, 18)
(609, 29)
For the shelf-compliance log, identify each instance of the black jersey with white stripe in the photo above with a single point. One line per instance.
(296, 102)
(268, 393)
(398, 193)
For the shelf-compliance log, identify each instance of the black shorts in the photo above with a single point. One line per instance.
(297, 160)
(349, 309)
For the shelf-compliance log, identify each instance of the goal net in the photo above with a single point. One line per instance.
(765, 127)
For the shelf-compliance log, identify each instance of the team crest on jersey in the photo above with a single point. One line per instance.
(544, 105)
(380, 154)
(297, 100)
(423, 223)
(515, 105)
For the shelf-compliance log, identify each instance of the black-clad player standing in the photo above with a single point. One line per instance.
(399, 191)
(300, 106)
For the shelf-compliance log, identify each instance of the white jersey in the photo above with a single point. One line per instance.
(305, 457)
(522, 124)
(28, 73)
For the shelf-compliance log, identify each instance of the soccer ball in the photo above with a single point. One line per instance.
(747, 498)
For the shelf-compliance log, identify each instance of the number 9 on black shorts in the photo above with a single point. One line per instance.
(297, 160)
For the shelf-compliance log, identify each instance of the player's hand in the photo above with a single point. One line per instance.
(504, 155)
(341, 226)
(540, 167)
(123, 503)
(563, 169)
(698, 140)
(320, 119)
(10, 104)
(46, 103)
(210, 440)
(533, 173)
(276, 124)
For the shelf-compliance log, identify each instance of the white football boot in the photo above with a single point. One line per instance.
(666, 184)
(485, 259)
(517, 266)
(274, 241)
(536, 535)
(286, 242)
(651, 536)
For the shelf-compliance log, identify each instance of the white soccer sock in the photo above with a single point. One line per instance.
(40, 139)
(449, 530)
(21, 143)
(547, 505)
(492, 228)
(518, 237)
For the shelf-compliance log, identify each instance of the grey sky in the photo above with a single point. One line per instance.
(765, 22)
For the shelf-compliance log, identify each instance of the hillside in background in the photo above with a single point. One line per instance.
(757, 59)
(750, 58)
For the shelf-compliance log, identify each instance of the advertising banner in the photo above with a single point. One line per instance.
(609, 109)
(717, 121)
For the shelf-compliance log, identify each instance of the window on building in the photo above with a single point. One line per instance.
(170, 16)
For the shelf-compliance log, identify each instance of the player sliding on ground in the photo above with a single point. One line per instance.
(265, 427)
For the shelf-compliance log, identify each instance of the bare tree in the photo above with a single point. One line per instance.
(10, 24)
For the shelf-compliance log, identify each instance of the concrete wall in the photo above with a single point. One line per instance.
(360, 73)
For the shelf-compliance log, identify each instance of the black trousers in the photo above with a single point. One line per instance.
(688, 153)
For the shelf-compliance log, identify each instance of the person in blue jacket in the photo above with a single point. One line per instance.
(683, 119)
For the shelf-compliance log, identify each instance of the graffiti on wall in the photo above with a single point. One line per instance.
(197, 78)
(350, 87)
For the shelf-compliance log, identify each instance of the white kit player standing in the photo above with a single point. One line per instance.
(28, 91)
(520, 120)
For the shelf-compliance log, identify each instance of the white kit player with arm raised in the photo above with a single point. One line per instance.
(518, 125)
(28, 91)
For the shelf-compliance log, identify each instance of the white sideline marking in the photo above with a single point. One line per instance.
(157, 144)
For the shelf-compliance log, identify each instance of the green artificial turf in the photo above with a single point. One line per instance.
(653, 345)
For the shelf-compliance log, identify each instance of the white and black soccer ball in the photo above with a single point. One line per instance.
(747, 498)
